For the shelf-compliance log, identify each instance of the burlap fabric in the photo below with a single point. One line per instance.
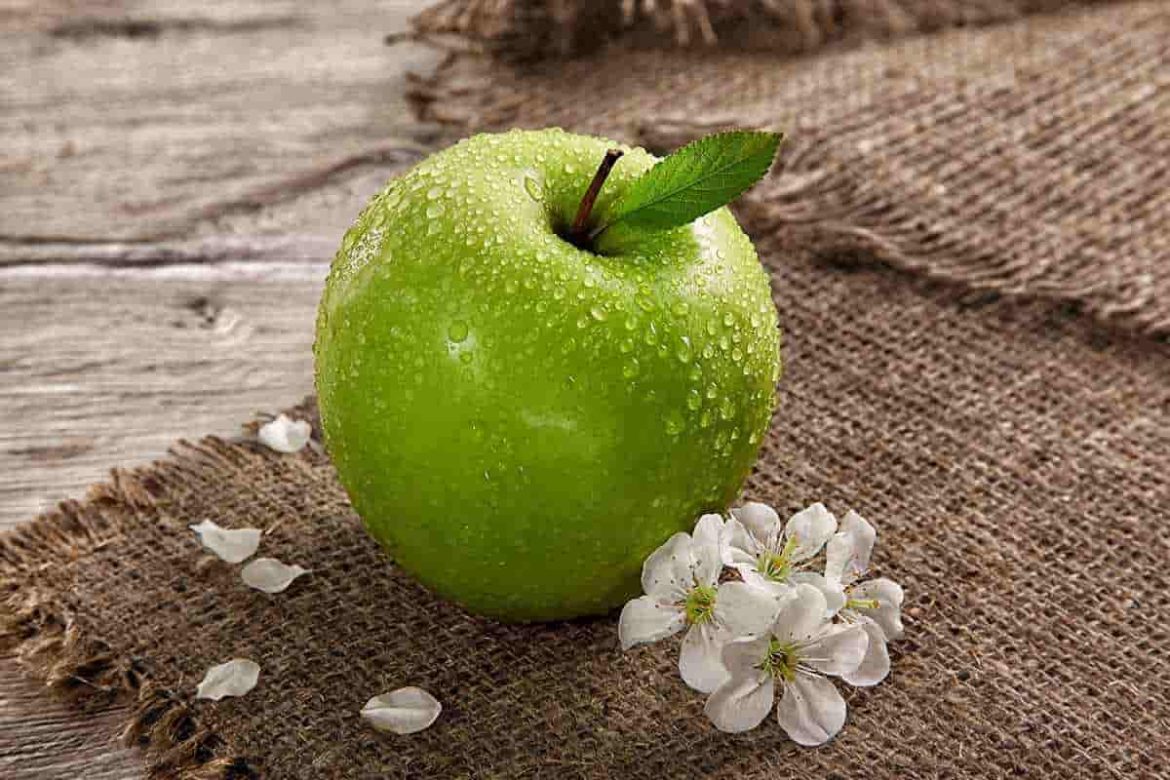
(976, 361)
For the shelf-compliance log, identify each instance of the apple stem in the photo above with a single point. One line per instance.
(579, 232)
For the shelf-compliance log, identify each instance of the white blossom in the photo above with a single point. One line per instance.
(284, 434)
(234, 678)
(680, 581)
(232, 545)
(875, 605)
(770, 555)
(403, 711)
(270, 575)
(798, 653)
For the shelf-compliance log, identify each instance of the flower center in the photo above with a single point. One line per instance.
(861, 604)
(782, 660)
(700, 604)
(777, 566)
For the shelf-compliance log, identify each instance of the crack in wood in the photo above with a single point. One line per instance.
(137, 28)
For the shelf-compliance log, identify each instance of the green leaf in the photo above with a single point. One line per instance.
(695, 180)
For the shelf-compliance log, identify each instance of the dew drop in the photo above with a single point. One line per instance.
(532, 186)
(457, 331)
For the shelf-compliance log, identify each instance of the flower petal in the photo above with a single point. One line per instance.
(761, 521)
(232, 545)
(834, 594)
(811, 528)
(644, 619)
(705, 547)
(743, 656)
(270, 575)
(838, 649)
(847, 553)
(811, 711)
(737, 547)
(801, 616)
(744, 609)
(876, 664)
(234, 678)
(742, 702)
(285, 435)
(403, 711)
(669, 572)
(700, 661)
(889, 596)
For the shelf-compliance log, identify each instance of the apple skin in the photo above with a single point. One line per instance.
(520, 422)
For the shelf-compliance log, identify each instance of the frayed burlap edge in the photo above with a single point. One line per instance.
(40, 629)
(532, 29)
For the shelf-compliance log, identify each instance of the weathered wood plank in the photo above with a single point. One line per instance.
(248, 133)
(103, 368)
(44, 738)
(131, 120)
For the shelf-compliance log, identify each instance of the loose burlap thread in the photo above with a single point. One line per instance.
(1000, 410)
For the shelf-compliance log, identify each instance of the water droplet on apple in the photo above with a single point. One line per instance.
(683, 350)
(597, 313)
(533, 186)
(457, 331)
(675, 424)
(631, 369)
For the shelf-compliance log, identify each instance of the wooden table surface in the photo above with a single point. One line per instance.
(174, 178)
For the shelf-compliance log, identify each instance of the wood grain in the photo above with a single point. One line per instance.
(135, 120)
(174, 178)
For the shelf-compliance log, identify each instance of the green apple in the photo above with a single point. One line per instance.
(521, 420)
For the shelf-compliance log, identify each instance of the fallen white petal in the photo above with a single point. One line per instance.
(232, 545)
(270, 575)
(235, 678)
(285, 435)
(403, 711)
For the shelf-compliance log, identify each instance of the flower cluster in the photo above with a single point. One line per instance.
(776, 626)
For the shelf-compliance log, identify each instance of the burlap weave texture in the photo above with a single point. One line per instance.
(1008, 434)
